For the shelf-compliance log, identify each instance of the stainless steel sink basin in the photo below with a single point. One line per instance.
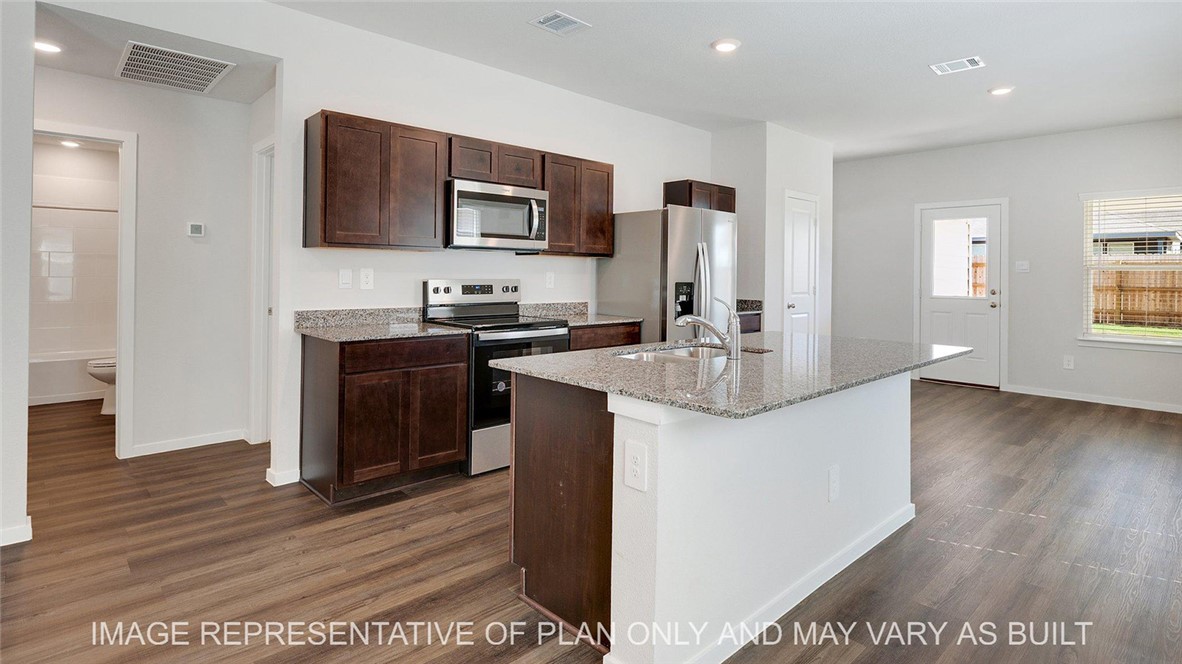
(684, 354)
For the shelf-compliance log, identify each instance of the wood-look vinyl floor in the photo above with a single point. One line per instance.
(1028, 509)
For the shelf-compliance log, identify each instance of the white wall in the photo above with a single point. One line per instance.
(192, 294)
(16, 177)
(359, 72)
(74, 250)
(764, 161)
(1043, 178)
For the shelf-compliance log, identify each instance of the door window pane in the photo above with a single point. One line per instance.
(959, 263)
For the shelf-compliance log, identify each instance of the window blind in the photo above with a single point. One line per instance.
(1133, 263)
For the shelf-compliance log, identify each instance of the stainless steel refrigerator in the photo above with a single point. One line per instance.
(669, 263)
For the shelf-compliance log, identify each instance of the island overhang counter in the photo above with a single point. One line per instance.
(669, 511)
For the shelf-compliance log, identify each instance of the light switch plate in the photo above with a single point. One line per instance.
(1069, 362)
(345, 278)
(636, 465)
(365, 276)
(549, 280)
(1021, 266)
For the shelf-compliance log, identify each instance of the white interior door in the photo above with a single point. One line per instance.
(959, 291)
(800, 265)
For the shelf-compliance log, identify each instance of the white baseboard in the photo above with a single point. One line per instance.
(185, 443)
(281, 477)
(66, 398)
(1093, 398)
(797, 592)
(15, 534)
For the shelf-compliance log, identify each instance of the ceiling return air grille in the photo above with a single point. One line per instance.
(165, 67)
(953, 66)
(559, 23)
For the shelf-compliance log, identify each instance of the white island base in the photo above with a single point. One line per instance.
(736, 525)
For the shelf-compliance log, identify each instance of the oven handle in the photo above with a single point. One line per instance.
(523, 334)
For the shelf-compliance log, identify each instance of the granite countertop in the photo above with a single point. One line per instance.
(797, 368)
(376, 331)
(587, 320)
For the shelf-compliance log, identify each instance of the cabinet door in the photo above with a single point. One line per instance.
(375, 425)
(473, 159)
(418, 177)
(356, 164)
(724, 199)
(439, 417)
(562, 217)
(702, 195)
(520, 167)
(596, 225)
(604, 336)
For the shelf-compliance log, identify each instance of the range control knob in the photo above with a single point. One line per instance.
(435, 290)
(446, 290)
(514, 289)
(504, 289)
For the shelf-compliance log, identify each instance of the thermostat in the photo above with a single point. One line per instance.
(196, 230)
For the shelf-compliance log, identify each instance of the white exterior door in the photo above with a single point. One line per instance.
(800, 265)
(959, 291)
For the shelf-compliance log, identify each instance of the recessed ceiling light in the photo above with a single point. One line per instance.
(1001, 90)
(71, 144)
(726, 45)
(47, 47)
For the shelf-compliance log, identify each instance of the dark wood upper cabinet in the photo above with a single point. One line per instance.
(597, 227)
(473, 159)
(693, 193)
(478, 159)
(562, 219)
(579, 220)
(521, 167)
(370, 183)
(348, 162)
(418, 187)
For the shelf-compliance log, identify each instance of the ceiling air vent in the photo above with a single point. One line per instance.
(171, 69)
(953, 66)
(559, 23)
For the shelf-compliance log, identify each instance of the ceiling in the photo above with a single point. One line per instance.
(93, 45)
(855, 74)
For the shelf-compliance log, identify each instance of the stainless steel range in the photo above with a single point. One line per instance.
(490, 309)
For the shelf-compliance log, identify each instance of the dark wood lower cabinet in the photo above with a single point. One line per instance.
(604, 336)
(379, 415)
(562, 502)
(750, 321)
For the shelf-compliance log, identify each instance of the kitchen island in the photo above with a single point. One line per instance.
(667, 509)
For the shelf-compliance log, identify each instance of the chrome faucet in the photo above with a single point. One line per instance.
(730, 339)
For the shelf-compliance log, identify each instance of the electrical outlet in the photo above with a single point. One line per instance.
(834, 482)
(1021, 266)
(636, 465)
(1068, 361)
(549, 280)
(365, 276)
(345, 278)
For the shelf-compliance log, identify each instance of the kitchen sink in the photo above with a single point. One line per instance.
(683, 354)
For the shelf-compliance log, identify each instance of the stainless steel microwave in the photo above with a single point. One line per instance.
(497, 216)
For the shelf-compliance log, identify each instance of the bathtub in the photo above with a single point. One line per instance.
(60, 376)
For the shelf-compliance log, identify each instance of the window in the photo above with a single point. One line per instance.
(1133, 262)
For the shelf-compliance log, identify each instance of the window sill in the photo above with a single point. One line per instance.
(1151, 345)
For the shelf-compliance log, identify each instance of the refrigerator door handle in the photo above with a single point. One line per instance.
(707, 298)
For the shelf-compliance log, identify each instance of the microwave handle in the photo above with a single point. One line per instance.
(533, 218)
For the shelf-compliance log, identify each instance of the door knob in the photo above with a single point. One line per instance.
(992, 305)
(993, 291)
(791, 305)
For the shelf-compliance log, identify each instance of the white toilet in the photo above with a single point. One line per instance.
(104, 370)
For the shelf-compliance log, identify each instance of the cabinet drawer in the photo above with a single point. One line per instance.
(604, 336)
(404, 353)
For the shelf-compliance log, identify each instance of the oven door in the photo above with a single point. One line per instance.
(494, 216)
(492, 389)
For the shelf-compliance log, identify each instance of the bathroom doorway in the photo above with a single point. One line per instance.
(83, 270)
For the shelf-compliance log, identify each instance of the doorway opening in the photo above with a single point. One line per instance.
(961, 289)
